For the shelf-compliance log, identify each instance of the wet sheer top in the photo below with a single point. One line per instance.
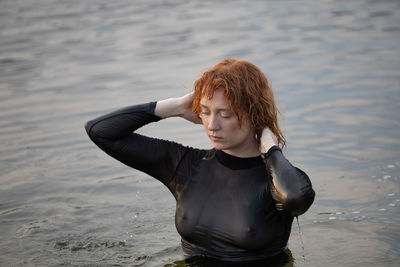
(228, 208)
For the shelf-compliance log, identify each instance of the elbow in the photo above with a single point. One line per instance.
(89, 130)
(298, 204)
(88, 127)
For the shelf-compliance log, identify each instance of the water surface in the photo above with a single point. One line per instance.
(335, 69)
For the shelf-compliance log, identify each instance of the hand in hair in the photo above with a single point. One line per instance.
(177, 107)
(187, 112)
(268, 140)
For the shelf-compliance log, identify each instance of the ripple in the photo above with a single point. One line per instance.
(334, 68)
(89, 244)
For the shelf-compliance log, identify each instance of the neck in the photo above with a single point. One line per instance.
(251, 150)
(238, 163)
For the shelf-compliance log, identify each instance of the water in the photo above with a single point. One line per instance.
(335, 69)
(301, 239)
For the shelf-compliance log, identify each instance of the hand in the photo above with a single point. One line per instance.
(268, 140)
(186, 109)
(177, 107)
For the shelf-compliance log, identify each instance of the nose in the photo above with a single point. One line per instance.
(213, 124)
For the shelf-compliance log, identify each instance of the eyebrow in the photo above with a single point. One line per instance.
(220, 109)
(205, 106)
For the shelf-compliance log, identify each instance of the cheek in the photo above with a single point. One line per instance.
(238, 132)
(232, 126)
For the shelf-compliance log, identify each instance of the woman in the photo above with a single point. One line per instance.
(236, 201)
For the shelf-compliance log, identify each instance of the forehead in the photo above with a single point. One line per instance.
(217, 100)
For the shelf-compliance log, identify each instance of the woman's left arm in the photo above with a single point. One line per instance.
(290, 187)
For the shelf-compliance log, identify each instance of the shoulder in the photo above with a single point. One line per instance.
(192, 160)
(189, 166)
(197, 155)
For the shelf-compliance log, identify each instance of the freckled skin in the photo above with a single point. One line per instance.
(223, 128)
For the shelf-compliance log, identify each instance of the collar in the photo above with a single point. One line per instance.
(237, 163)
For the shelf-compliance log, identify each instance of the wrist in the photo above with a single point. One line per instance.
(169, 107)
(180, 106)
(266, 147)
(267, 140)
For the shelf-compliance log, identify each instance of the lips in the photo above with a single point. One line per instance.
(215, 138)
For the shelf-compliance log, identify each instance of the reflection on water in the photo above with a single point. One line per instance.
(335, 69)
(283, 260)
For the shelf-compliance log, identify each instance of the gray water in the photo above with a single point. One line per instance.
(335, 69)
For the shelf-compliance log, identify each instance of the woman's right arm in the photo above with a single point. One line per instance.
(114, 134)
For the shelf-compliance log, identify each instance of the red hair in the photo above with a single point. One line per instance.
(248, 92)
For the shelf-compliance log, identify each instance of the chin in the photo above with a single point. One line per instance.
(219, 146)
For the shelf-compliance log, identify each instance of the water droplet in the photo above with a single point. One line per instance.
(332, 218)
(337, 213)
(382, 209)
(397, 200)
(301, 238)
(390, 195)
(392, 205)
(390, 166)
(356, 211)
(387, 177)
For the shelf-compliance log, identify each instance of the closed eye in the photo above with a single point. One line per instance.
(226, 114)
(204, 114)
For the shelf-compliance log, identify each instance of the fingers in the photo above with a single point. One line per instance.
(267, 133)
(197, 120)
(268, 140)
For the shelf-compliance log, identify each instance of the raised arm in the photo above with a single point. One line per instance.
(181, 107)
(290, 187)
(114, 134)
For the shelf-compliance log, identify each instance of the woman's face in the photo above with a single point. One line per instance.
(223, 129)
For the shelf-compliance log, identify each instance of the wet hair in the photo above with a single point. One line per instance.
(248, 92)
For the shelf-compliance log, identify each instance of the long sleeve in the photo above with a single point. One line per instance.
(290, 187)
(114, 134)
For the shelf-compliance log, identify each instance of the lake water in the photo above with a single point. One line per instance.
(335, 69)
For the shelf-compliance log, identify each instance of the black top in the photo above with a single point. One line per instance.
(228, 208)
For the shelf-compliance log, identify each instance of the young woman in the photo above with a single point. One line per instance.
(236, 201)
